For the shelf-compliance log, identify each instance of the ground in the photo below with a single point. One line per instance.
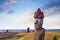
(30, 36)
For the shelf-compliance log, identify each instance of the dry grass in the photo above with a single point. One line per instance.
(30, 36)
(48, 36)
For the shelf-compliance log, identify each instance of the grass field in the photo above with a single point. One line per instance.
(30, 36)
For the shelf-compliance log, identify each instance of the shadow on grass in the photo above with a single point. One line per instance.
(12, 37)
(19, 36)
(5, 38)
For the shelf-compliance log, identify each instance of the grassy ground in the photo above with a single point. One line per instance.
(30, 36)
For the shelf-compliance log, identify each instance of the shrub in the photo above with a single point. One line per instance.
(19, 36)
(54, 37)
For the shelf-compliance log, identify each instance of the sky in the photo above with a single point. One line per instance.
(18, 14)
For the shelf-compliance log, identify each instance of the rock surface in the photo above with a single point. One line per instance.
(39, 31)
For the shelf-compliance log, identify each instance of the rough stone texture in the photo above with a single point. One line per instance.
(38, 14)
(39, 31)
(39, 34)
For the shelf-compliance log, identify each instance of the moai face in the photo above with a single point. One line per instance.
(38, 23)
(39, 19)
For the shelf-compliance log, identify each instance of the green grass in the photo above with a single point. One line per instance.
(54, 37)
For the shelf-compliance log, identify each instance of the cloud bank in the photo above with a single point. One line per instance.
(52, 7)
(5, 4)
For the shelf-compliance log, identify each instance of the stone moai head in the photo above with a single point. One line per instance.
(39, 18)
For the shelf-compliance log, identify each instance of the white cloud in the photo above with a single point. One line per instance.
(16, 21)
(11, 20)
(51, 11)
(28, 12)
(52, 22)
(7, 4)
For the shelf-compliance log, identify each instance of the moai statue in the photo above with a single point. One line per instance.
(6, 30)
(39, 31)
(28, 29)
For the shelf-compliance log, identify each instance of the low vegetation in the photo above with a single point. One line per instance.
(30, 36)
(54, 37)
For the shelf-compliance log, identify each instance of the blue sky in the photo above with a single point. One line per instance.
(18, 14)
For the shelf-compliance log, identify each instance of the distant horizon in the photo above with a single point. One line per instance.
(46, 30)
(26, 29)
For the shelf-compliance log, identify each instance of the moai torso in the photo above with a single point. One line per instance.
(39, 31)
(39, 34)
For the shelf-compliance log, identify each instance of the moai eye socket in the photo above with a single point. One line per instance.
(40, 21)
